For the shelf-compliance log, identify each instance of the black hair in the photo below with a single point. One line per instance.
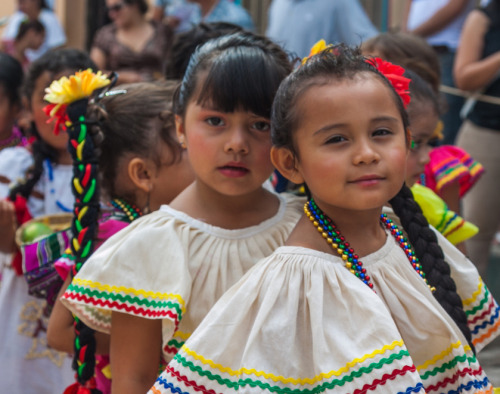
(492, 9)
(11, 78)
(243, 71)
(186, 42)
(28, 25)
(343, 63)
(54, 62)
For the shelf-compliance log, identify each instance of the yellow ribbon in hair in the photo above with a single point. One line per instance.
(320, 46)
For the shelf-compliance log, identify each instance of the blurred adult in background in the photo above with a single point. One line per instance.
(181, 15)
(131, 45)
(32, 10)
(177, 14)
(477, 69)
(30, 36)
(440, 23)
(298, 24)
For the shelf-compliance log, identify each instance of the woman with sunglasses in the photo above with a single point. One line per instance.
(131, 45)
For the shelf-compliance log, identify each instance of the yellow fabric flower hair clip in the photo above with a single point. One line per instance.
(65, 91)
(320, 46)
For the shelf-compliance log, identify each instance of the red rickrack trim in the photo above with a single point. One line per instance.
(395, 75)
(59, 116)
(77, 388)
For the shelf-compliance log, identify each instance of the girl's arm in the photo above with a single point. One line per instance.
(8, 227)
(470, 71)
(451, 196)
(135, 353)
(61, 332)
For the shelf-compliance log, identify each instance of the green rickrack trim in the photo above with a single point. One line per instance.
(90, 192)
(126, 299)
(283, 390)
(175, 343)
(83, 129)
(448, 365)
(481, 304)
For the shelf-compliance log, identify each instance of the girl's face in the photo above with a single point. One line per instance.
(8, 114)
(37, 103)
(229, 152)
(423, 122)
(351, 144)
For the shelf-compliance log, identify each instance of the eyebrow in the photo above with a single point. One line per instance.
(334, 126)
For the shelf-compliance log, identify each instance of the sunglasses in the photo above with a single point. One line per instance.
(115, 8)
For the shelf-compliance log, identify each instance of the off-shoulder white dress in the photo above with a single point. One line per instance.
(300, 322)
(170, 266)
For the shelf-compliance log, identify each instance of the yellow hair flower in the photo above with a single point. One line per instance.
(82, 84)
(316, 48)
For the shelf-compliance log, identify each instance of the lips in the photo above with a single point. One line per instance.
(368, 180)
(234, 170)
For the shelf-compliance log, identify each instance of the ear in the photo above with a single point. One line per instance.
(284, 161)
(180, 131)
(141, 173)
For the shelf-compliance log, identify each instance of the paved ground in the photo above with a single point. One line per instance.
(489, 358)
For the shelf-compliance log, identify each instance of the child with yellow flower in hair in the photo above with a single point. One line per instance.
(27, 365)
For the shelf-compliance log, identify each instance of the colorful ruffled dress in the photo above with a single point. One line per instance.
(300, 322)
(27, 365)
(455, 228)
(50, 256)
(449, 164)
(170, 266)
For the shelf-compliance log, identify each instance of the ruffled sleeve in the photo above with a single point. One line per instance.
(480, 307)
(455, 228)
(449, 164)
(127, 274)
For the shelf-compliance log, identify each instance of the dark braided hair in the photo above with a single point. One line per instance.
(341, 63)
(54, 62)
(255, 62)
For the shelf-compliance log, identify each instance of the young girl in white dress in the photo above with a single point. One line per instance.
(349, 304)
(151, 284)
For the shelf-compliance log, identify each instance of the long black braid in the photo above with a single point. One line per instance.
(430, 254)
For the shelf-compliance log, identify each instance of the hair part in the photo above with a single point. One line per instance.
(185, 44)
(238, 71)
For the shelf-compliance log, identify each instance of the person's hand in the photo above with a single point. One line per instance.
(8, 226)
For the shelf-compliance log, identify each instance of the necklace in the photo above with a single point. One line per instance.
(131, 211)
(15, 139)
(332, 235)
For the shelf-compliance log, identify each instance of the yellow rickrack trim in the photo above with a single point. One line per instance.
(479, 290)
(293, 381)
(83, 212)
(442, 355)
(182, 335)
(129, 290)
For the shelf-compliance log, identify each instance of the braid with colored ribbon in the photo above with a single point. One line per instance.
(70, 101)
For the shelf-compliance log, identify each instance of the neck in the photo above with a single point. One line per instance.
(64, 157)
(229, 212)
(362, 229)
(33, 16)
(6, 134)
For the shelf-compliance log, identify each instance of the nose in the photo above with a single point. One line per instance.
(365, 152)
(237, 141)
(424, 155)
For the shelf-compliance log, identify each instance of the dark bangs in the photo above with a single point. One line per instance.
(241, 78)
